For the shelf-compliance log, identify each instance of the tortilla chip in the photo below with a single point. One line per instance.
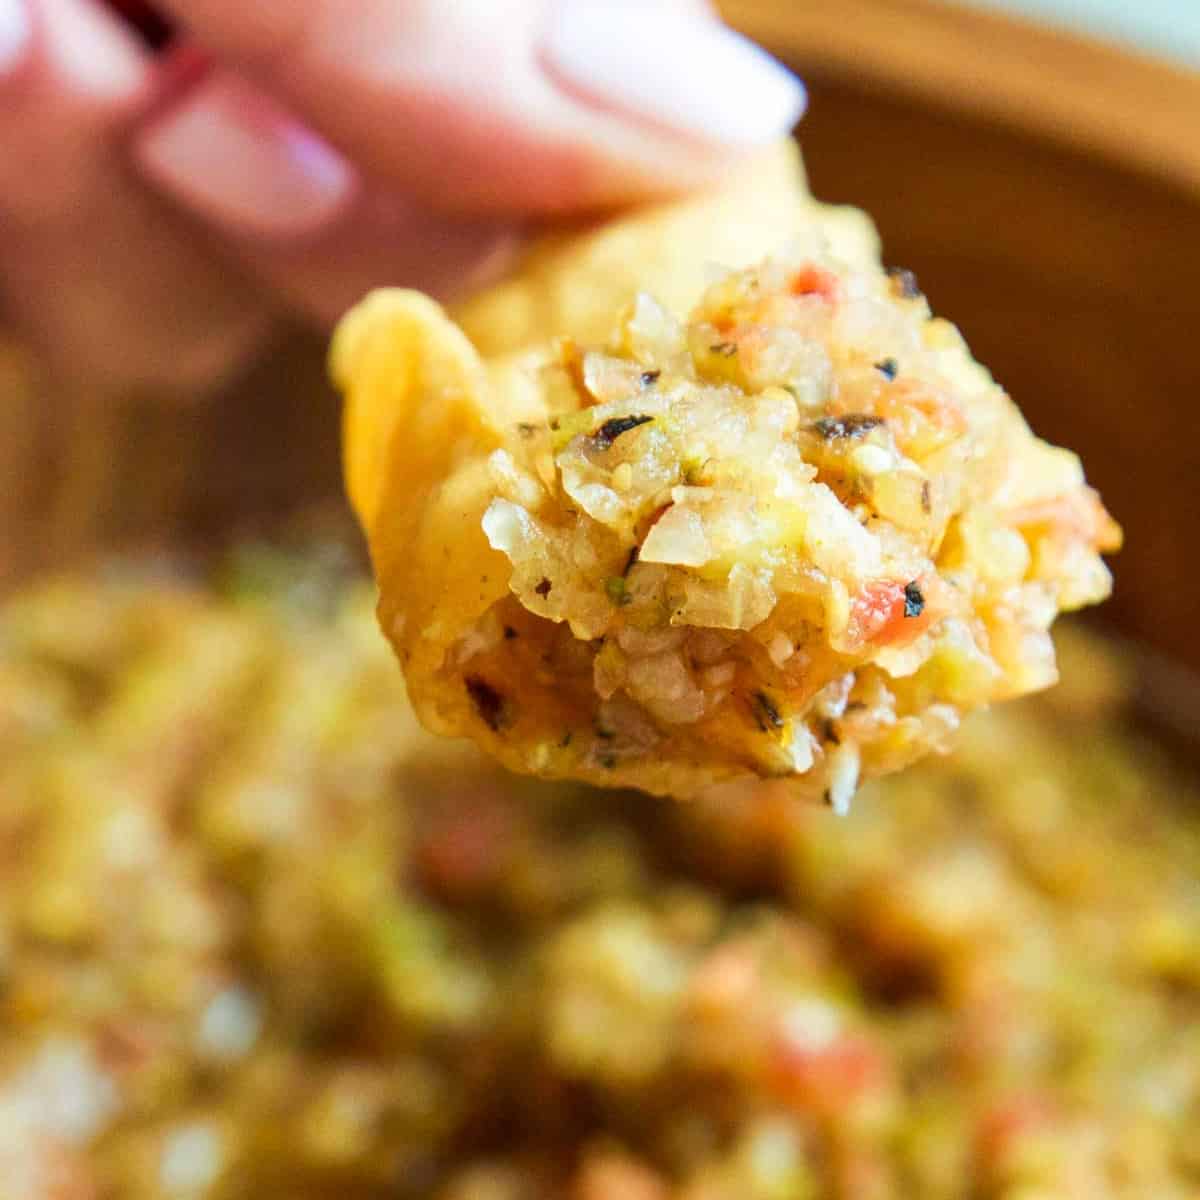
(793, 537)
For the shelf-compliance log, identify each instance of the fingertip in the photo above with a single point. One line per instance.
(91, 54)
(232, 155)
(673, 69)
(388, 240)
(487, 258)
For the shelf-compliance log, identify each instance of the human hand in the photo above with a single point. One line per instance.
(161, 213)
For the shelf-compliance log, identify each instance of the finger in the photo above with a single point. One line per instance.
(527, 105)
(237, 159)
(293, 208)
(385, 241)
(103, 277)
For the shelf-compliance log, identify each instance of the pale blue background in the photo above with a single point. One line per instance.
(1170, 28)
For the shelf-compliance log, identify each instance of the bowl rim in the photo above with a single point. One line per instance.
(1116, 102)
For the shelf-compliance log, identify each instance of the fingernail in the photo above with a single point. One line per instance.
(15, 31)
(234, 156)
(664, 64)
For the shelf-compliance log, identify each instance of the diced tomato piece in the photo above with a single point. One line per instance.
(922, 415)
(1008, 1123)
(725, 980)
(615, 1176)
(826, 1078)
(860, 1171)
(51, 1169)
(877, 609)
(463, 853)
(939, 408)
(878, 613)
(815, 281)
(1077, 515)
(125, 1046)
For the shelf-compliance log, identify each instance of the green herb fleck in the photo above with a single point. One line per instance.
(617, 591)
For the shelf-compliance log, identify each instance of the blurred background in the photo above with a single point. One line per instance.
(1167, 27)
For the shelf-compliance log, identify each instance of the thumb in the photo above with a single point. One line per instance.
(524, 106)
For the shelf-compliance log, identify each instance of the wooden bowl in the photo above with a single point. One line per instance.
(1046, 191)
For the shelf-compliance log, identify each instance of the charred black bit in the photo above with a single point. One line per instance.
(543, 588)
(852, 425)
(491, 705)
(649, 378)
(555, 424)
(608, 761)
(525, 429)
(889, 368)
(567, 739)
(914, 600)
(724, 349)
(926, 498)
(765, 713)
(904, 283)
(829, 732)
(509, 633)
(606, 735)
(613, 428)
(617, 593)
(632, 560)
(827, 798)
